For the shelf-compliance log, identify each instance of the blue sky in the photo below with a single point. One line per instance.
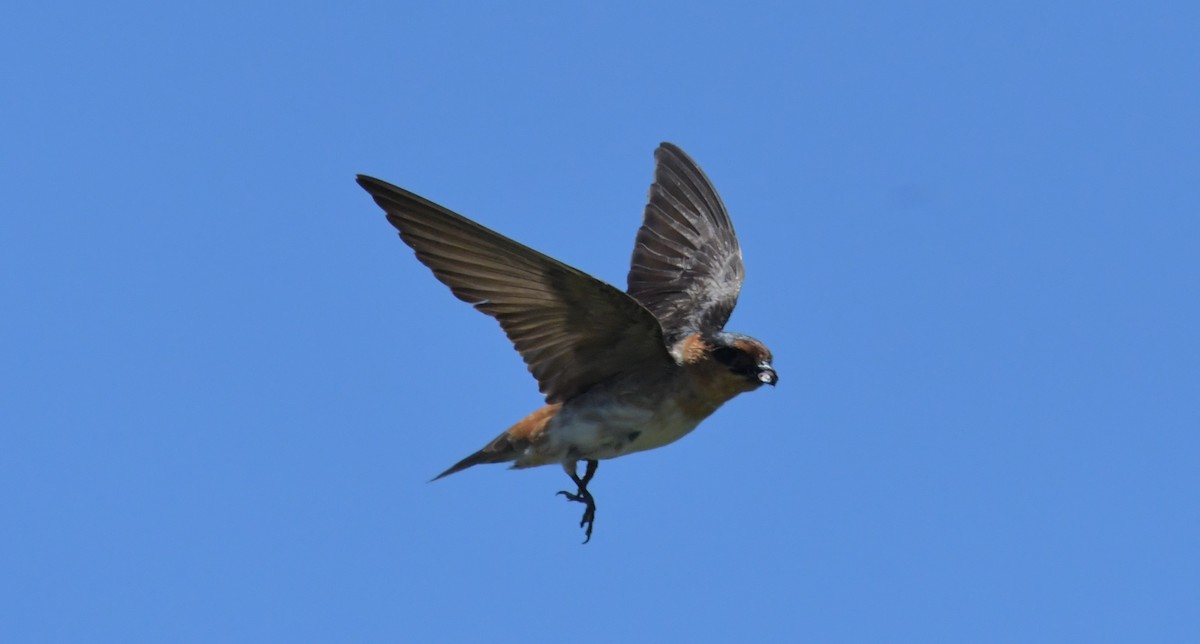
(971, 235)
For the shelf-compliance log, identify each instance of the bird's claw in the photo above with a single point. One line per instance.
(589, 514)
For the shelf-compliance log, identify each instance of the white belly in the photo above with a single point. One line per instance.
(603, 431)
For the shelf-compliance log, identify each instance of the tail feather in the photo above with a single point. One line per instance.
(509, 445)
(501, 450)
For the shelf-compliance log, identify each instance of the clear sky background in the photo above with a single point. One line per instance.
(971, 234)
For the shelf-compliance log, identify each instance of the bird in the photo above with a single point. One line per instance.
(621, 371)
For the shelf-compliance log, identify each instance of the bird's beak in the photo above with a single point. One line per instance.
(767, 375)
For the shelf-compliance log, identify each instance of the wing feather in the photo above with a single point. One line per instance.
(572, 330)
(687, 265)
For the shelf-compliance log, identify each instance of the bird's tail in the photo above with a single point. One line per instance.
(501, 450)
(509, 445)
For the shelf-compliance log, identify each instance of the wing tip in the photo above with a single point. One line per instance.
(666, 147)
(372, 185)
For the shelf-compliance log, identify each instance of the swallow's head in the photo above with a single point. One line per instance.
(744, 360)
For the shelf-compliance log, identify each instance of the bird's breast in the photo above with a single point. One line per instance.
(604, 429)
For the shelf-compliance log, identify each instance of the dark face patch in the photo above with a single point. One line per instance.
(737, 361)
(745, 358)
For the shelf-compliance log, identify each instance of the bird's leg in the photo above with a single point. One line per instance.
(582, 495)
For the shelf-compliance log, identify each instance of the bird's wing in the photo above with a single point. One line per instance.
(687, 266)
(572, 329)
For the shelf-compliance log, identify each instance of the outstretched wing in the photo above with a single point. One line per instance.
(572, 329)
(687, 265)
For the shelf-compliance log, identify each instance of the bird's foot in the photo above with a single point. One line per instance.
(589, 513)
(582, 495)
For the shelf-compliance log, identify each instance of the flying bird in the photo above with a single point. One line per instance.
(622, 372)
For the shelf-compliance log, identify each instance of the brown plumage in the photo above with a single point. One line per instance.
(505, 447)
(621, 372)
